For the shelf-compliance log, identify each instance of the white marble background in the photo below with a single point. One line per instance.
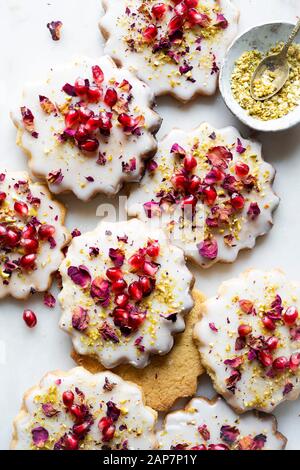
(27, 52)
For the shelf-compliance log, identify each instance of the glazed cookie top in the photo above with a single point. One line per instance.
(81, 411)
(211, 192)
(249, 340)
(175, 46)
(213, 425)
(88, 127)
(32, 235)
(125, 292)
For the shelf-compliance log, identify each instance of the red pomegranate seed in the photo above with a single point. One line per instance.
(114, 274)
(29, 245)
(241, 169)
(12, 238)
(191, 3)
(189, 201)
(280, 363)
(237, 201)
(265, 358)
(89, 145)
(150, 33)
(46, 231)
(81, 429)
(81, 87)
(77, 412)
(193, 184)
(136, 261)
(147, 285)
(119, 286)
(200, 447)
(72, 118)
(85, 114)
(94, 94)
(107, 428)
(93, 124)
(189, 162)
(210, 195)
(181, 9)
(175, 24)
(2, 196)
(268, 323)
(159, 10)
(195, 17)
(126, 121)
(244, 330)
(98, 74)
(3, 231)
(179, 181)
(28, 232)
(29, 318)
(121, 300)
(290, 316)
(136, 319)
(294, 361)
(120, 316)
(71, 442)
(111, 97)
(105, 121)
(21, 208)
(153, 249)
(135, 291)
(150, 268)
(27, 261)
(272, 343)
(68, 398)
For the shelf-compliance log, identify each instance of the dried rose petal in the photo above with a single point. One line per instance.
(54, 28)
(100, 291)
(213, 327)
(253, 211)
(112, 411)
(204, 432)
(80, 319)
(69, 89)
(178, 150)
(260, 441)
(108, 333)
(47, 105)
(80, 276)
(55, 177)
(129, 167)
(229, 434)
(287, 388)
(239, 147)
(49, 410)
(117, 256)
(40, 436)
(208, 249)
(246, 306)
(221, 21)
(234, 363)
(219, 157)
(28, 120)
(152, 209)
(49, 300)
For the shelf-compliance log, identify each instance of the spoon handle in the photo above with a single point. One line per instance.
(291, 39)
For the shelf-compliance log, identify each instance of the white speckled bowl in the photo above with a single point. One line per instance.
(261, 37)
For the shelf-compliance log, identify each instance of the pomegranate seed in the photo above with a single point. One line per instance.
(189, 162)
(193, 184)
(77, 412)
(290, 316)
(150, 33)
(29, 318)
(244, 330)
(81, 87)
(94, 94)
(268, 323)
(280, 363)
(72, 118)
(12, 238)
(121, 300)
(98, 74)
(114, 274)
(71, 442)
(272, 343)
(92, 124)
(89, 145)
(150, 268)
(135, 291)
(147, 285)
(85, 114)
(159, 10)
(241, 169)
(111, 97)
(136, 319)
(105, 121)
(195, 17)
(21, 208)
(107, 429)
(218, 447)
(237, 201)
(191, 3)
(120, 317)
(189, 201)
(179, 181)
(29, 245)
(68, 398)
(210, 195)
(294, 361)
(200, 447)
(181, 9)
(265, 358)
(175, 24)
(153, 249)
(27, 261)
(119, 286)
(2, 196)
(81, 429)
(28, 232)
(3, 231)
(136, 261)
(46, 231)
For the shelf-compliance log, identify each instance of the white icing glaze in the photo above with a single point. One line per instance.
(188, 235)
(22, 282)
(139, 419)
(181, 427)
(163, 75)
(48, 154)
(254, 390)
(171, 295)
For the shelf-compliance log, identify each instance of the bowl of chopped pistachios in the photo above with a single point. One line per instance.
(282, 110)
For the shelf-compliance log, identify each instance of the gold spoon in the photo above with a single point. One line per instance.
(277, 64)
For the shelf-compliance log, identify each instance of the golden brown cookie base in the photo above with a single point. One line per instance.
(168, 377)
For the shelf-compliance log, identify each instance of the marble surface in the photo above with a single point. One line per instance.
(27, 52)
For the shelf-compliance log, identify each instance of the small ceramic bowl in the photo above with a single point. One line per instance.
(263, 38)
